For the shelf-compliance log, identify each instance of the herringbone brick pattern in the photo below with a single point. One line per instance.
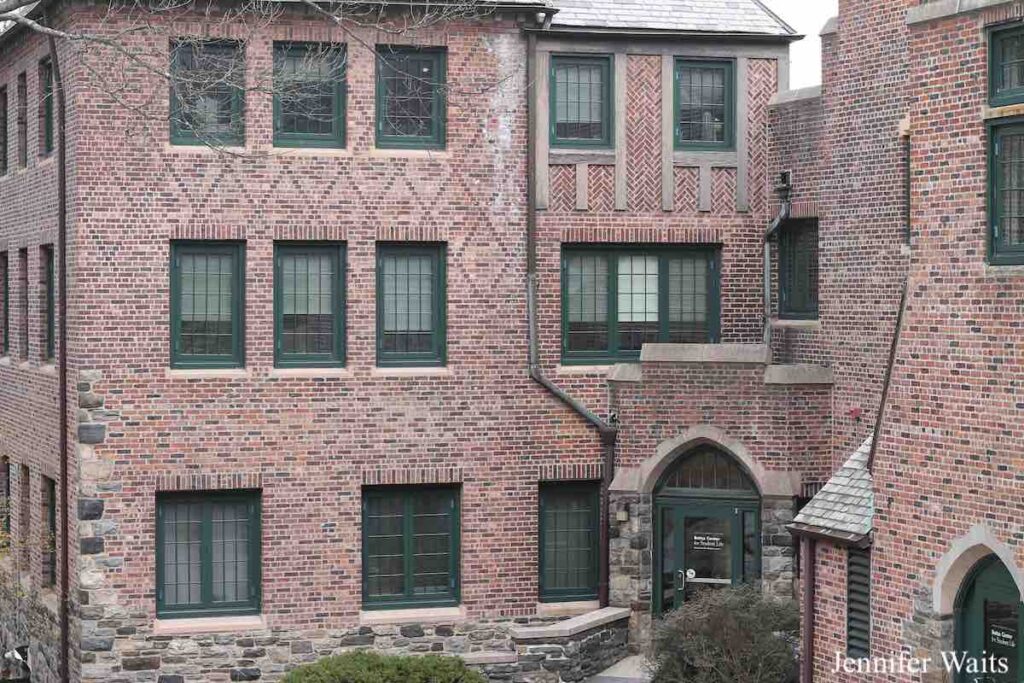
(723, 191)
(602, 188)
(643, 132)
(762, 80)
(687, 187)
(563, 188)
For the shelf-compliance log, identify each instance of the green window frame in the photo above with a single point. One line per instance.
(207, 326)
(858, 603)
(309, 95)
(411, 305)
(578, 118)
(705, 104)
(21, 121)
(615, 298)
(23, 304)
(309, 277)
(4, 140)
(208, 554)
(45, 106)
(568, 551)
(1006, 193)
(411, 546)
(411, 109)
(5, 301)
(1006, 66)
(49, 549)
(50, 302)
(5, 503)
(207, 92)
(798, 270)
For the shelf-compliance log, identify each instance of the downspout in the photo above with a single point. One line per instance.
(888, 373)
(807, 550)
(783, 189)
(607, 429)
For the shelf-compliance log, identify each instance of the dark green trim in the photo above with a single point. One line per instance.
(5, 267)
(236, 358)
(184, 135)
(46, 101)
(547, 491)
(336, 359)
(336, 139)
(999, 97)
(51, 303)
(408, 495)
(729, 68)
(50, 543)
(208, 499)
(436, 138)
(438, 355)
(797, 301)
(858, 603)
(608, 111)
(664, 253)
(997, 255)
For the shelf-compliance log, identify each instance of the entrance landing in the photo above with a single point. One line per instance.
(629, 670)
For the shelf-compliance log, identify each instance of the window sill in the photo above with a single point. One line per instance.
(311, 373)
(399, 153)
(6, 360)
(444, 371)
(426, 615)
(203, 148)
(207, 373)
(285, 152)
(581, 155)
(1001, 111)
(593, 369)
(48, 368)
(811, 325)
(175, 627)
(567, 609)
(1009, 270)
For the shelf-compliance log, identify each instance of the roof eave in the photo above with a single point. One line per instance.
(604, 31)
(847, 539)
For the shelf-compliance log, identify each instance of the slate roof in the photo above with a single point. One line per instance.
(845, 506)
(698, 16)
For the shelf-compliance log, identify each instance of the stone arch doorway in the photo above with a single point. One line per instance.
(989, 619)
(707, 526)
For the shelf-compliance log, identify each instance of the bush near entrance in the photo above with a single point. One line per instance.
(732, 635)
(371, 667)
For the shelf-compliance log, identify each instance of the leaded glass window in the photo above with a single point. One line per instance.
(208, 553)
(309, 95)
(411, 89)
(207, 304)
(410, 546)
(1007, 201)
(569, 517)
(5, 302)
(707, 468)
(309, 301)
(798, 269)
(581, 97)
(704, 104)
(49, 545)
(22, 120)
(49, 302)
(45, 106)
(411, 305)
(3, 131)
(1006, 66)
(207, 92)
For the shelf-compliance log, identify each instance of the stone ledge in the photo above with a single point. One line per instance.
(426, 615)
(567, 156)
(831, 27)
(310, 373)
(940, 9)
(207, 373)
(567, 609)
(706, 353)
(403, 373)
(812, 325)
(626, 372)
(571, 627)
(803, 373)
(786, 96)
(484, 658)
(189, 627)
(570, 370)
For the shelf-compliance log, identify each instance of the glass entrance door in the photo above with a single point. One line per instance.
(990, 626)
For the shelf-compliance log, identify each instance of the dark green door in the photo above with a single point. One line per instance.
(989, 626)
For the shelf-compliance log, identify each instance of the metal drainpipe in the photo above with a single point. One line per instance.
(807, 547)
(606, 428)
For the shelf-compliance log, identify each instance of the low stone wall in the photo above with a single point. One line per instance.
(28, 618)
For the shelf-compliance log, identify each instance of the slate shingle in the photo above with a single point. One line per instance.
(704, 16)
(846, 504)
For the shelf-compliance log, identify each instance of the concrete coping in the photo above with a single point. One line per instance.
(311, 373)
(189, 627)
(426, 615)
(706, 353)
(810, 93)
(571, 627)
(812, 325)
(495, 657)
(626, 372)
(800, 373)
(405, 373)
(566, 609)
(940, 9)
(831, 27)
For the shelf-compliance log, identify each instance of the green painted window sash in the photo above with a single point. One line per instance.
(5, 272)
(4, 139)
(436, 138)
(336, 359)
(858, 603)
(608, 113)
(998, 95)
(437, 356)
(553, 490)
(407, 495)
(236, 358)
(729, 68)
(997, 254)
(182, 135)
(50, 544)
(336, 139)
(796, 300)
(664, 254)
(208, 499)
(46, 91)
(51, 302)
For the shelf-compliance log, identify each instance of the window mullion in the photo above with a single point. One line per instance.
(206, 555)
(613, 302)
(663, 298)
(407, 542)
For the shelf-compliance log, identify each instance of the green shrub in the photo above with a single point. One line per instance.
(371, 667)
(733, 635)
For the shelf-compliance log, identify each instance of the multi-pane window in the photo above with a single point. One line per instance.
(49, 545)
(569, 518)
(5, 502)
(309, 95)
(704, 102)
(858, 603)
(208, 554)
(411, 84)
(410, 305)
(410, 546)
(24, 517)
(581, 97)
(207, 304)
(1006, 203)
(207, 92)
(3, 130)
(23, 303)
(47, 262)
(309, 305)
(798, 269)
(614, 300)
(45, 106)
(1006, 67)
(5, 303)
(22, 120)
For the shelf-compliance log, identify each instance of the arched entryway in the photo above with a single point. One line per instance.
(707, 526)
(990, 624)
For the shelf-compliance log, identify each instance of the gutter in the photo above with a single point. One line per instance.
(607, 429)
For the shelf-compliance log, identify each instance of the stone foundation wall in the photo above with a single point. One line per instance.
(28, 618)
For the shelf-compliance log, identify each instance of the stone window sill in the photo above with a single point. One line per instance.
(48, 368)
(311, 373)
(812, 325)
(584, 369)
(426, 615)
(206, 149)
(207, 373)
(187, 627)
(566, 156)
(6, 360)
(395, 373)
(427, 154)
(285, 152)
(567, 609)
(1004, 271)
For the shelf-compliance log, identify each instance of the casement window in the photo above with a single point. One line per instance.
(309, 305)
(309, 95)
(1006, 66)
(1006, 194)
(5, 303)
(858, 603)
(207, 304)
(568, 554)
(616, 299)
(49, 540)
(411, 309)
(705, 104)
(45, 106)
(23, 303)
(411, 109)
(22, 120)
(798, 270)
(410, 547)
(581, 101)
(3, 131)
(25, 517)
(208, 554)
(47, 262)
(207, 93)
(5, 502)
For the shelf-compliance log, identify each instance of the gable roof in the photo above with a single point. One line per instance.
(844, 509)
(690, 16)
